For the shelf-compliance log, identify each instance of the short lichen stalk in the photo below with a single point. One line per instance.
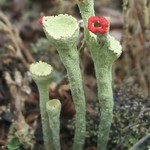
(53, 108)
(47, 135)
(65, 42)
(41, 74)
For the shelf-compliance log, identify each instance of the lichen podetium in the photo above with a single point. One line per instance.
(41, 72)
(53, 108)
(63, 32)
(104, 50)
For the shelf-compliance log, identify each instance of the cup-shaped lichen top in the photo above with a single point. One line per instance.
(115, 47)
(61, 29)
(41, 71)
(103, 43)
(53, 106)
(41, 74)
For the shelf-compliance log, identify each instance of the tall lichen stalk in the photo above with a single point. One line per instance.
(65, 43)
(103, 56)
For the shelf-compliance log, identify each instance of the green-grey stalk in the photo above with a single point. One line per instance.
(41, 72)
(53, 108)
(104, 50)
(63, 31)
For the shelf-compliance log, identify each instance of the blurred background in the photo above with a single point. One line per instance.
(22, 42)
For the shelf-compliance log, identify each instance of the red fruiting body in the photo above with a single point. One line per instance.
(41, 20)
(98, 29)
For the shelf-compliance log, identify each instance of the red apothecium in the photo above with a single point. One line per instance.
(101, 28)
(41, 20)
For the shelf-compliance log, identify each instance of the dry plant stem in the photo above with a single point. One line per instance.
(141, 77)
(143, 14)
(131, 125)
(53, 108)
(19, 128)
(128, 39)
(41, 74)
(17, 43)
(126, 15)
(15, 97)
(141, 143)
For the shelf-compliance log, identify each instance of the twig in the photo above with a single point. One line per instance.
(130, 126)
(19, 128)
(129, 38)
(19, 48)
(141, 142)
